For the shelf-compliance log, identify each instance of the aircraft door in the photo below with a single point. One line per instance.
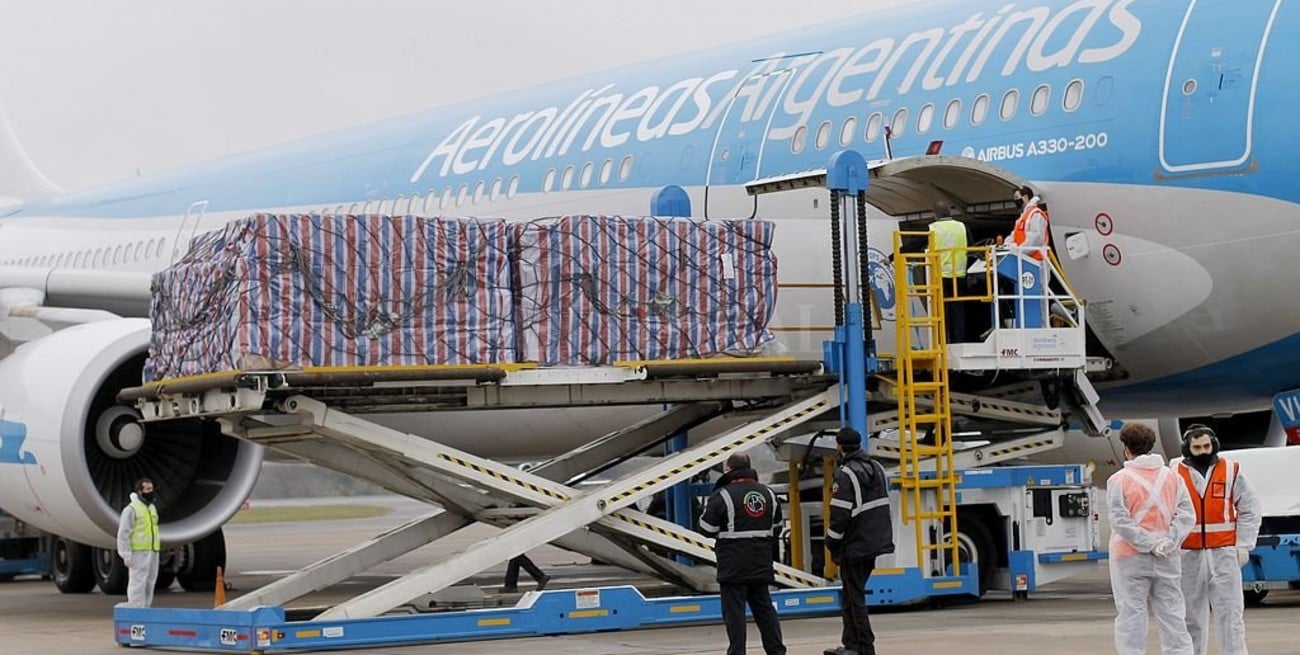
(737, 152)
(1209, 103)
(189, 225)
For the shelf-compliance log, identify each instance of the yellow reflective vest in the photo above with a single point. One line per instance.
(950, 242)
(144, 534)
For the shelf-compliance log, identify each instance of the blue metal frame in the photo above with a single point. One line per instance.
(564, 611)
(1276, 559)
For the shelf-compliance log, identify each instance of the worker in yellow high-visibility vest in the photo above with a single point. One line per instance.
(138, 544)
(951, 238)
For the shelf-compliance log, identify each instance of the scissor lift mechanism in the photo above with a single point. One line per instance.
(321, 416)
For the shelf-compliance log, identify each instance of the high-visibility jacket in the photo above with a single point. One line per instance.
(1216, 514)
(144, 532)
(1151, 496)
(1021, 231)
(950, 241)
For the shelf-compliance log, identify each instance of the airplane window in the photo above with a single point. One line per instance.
(496, 189)
(340, 209)
(549, 180)
(462, 194)
(478, 191)
(1073, 96)
(625, 169)
(899, 125)
(1010, 102)
(513, 187)
(78, 259)
(800, 139)
(99, 258)
(566, 180)
(139, 251)
(445, 201)
(849, 129)
(585, 180)
(606, 170)
(952, 114)
(157, 249)
(823, 135)
(873, 126)
(925, 120)
(1038, 103)
(980, 110)
(352, 209)
(368, 207)
(400, 205)
(117, 256)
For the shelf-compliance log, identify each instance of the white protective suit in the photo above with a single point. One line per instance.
(142, 565)
(1145, 569)
(1212, 577)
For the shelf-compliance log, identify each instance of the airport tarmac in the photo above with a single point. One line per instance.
(1073, 616)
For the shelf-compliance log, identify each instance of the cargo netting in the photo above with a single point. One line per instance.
(295, 291)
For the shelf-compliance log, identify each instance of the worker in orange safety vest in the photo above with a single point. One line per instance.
(1031, 228)
(1150, 514)
(1227, 524)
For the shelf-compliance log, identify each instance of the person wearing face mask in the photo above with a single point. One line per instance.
(1150, 513)
(1031, 228)
(1227, 524)
(138, 544)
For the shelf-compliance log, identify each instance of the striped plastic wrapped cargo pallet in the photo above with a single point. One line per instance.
(287, 291)
(594, 290)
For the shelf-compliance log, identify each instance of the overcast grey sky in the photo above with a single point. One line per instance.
(99, 88)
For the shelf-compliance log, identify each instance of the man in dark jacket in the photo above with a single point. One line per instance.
(859, 530)
(744, 517)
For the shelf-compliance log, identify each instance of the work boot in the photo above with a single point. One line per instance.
(541, 583)
(510, 589)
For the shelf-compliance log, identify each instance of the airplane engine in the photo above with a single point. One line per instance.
(71, 453)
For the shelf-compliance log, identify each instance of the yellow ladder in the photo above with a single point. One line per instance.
(926, 477)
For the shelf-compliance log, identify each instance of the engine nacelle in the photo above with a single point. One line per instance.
(70, 453)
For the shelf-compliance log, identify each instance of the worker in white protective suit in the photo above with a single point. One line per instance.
(1150, 515)
(1227, 524)
(138, 544)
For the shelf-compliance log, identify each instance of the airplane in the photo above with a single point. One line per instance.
(1156, 129)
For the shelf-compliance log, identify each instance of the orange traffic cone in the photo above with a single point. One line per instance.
(220, 589)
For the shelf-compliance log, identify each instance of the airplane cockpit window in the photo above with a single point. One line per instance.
(549, 180)
(625, 169)
(800, 140)
(513, 187)
(898, 126)
(1010, 102)
(952, 114)
(873, 126)
(1073, 96)
(823, 135)
(606, 171)
(1042, 96)
(925, 119)
(566, 180)
(585, 180)
(849, 130)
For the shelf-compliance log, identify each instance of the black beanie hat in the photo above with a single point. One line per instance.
(849, 439)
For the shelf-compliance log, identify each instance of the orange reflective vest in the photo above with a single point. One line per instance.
(1151, 496)
(1216, 515)
(1020, 232)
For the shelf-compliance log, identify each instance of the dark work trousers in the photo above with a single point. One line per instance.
(734, 597)
(853, 606)
(954, 312)
(512, 570)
